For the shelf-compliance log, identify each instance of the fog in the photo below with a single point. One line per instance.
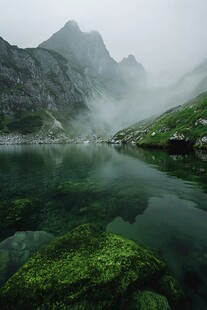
(107, 116)
(167, 37)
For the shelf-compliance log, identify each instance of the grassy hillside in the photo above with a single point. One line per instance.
(183, 126)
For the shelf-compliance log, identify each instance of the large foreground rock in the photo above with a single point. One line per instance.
(85, 269)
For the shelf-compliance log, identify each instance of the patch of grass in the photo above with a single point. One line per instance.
(25, 123)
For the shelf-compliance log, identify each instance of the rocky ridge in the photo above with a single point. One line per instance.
(38, 79)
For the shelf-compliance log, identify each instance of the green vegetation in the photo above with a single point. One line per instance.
(84, 269)
(94, 202)
(26, 124)
(185, 124)
(22, 122)
(16, 213)
(148, 300)
(169, 287)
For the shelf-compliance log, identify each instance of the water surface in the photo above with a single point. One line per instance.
(155, 198)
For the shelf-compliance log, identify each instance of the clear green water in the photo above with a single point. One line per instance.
(150, 196)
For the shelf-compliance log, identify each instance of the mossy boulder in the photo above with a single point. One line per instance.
(79, 193)
(148, 300)
(100, 202)
(86, 268)
(168, 286)
(15, 213)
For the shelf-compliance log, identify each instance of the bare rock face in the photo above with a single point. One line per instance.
(37, 79)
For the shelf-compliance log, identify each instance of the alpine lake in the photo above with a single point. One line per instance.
(155, 198)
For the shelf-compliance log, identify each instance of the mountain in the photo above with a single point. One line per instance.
(39, 92)
(131, 68)
(88, 52)
(193, 83)
(83, 49)
(35, 79)
(181, 128)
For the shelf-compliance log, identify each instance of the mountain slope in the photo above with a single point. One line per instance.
(38, 89)
(181, 127)
(35, 79)
(193, 83)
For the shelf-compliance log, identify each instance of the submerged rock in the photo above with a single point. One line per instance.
(16, 213)
(84, 269)
(148, 300)
(17, 249)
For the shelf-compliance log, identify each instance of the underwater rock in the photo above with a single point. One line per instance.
(86, 268)
(16, 213)
(16, 250)
(169, 287)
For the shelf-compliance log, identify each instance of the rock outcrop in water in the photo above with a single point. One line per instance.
(90, 269)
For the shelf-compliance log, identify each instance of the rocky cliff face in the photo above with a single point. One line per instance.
(37, 79)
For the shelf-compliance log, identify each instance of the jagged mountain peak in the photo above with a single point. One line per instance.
(130, 61)
(130, 58)
(131, 68)
(84, 49)
(71, 24)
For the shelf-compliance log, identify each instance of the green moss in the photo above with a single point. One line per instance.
(80, 193)
(25, 124)
(86, 268)
(169, 287)
(148, 300)
(15, 213)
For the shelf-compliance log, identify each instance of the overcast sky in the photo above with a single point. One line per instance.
(166, 36)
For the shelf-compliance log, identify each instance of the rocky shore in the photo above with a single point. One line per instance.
(17, 138)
